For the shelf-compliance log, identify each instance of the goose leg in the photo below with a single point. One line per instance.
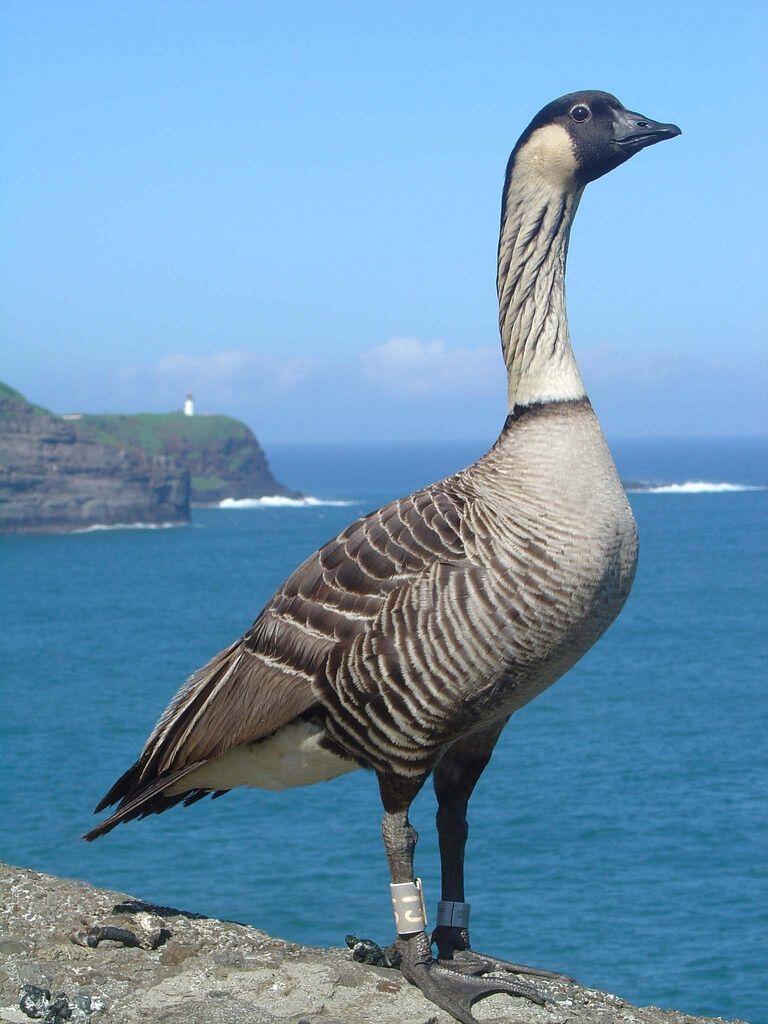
(455, 778)
(453, 991)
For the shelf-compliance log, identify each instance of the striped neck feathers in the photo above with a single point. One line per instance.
(538, 205)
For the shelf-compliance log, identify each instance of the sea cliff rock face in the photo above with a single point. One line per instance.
(222, 455)
(72, 952)
(52, 479)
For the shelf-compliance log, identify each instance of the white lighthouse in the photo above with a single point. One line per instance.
(189, 405)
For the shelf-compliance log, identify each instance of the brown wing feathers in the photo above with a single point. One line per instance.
(238, 697)
(270, 676)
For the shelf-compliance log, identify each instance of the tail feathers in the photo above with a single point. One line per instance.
(127, 783)
(240, 696)
(151, 799)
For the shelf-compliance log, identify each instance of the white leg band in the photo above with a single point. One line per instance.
(455, 915)
(408, 907)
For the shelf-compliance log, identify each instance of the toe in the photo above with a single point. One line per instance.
(480, 963)
(457, 992)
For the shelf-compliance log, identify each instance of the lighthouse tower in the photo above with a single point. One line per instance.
(189, 405)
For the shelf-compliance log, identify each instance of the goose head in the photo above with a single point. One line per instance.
(582, 136)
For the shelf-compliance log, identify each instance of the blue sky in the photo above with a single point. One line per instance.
(292, 208)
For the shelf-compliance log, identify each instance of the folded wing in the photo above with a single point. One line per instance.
(270, 676)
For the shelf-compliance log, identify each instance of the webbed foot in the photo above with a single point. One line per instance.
(451, 988)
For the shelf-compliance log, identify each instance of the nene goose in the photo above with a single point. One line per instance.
(405, 643)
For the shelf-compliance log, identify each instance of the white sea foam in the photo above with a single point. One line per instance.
(694, 487)
(278, 501)
(127, 526)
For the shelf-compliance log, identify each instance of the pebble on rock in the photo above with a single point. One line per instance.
(38, 1004)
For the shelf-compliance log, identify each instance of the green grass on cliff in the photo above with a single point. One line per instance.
(219, 452)
(146, 430)
(203, 484)
(8, 394)
(152, 431)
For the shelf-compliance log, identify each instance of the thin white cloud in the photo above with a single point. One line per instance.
(408, 366)
(607, 364)
(232, 366)
(220, 378)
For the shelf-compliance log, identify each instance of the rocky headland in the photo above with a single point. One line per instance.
(71, 952)
(53, 479)
(222, 455)
(67, 473)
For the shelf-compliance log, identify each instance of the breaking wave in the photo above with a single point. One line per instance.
(691, 487)
(278, 501)
(127, 526)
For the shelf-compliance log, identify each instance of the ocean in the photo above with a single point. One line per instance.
(619, 832)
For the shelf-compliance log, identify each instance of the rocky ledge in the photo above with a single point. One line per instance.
(71, 952)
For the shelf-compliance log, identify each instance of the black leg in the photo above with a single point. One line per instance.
(454, 991)
(455, 778)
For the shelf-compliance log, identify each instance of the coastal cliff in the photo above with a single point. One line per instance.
(73, 472)
(71, 952)
(52, 478)
(222, 455)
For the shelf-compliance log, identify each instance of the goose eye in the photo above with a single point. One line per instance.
(581, 113)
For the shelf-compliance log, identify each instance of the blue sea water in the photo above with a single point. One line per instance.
(619, 832)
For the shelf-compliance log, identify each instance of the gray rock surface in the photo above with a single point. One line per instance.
(50, 479)
(181, 968)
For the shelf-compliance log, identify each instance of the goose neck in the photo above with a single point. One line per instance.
(533, 246)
